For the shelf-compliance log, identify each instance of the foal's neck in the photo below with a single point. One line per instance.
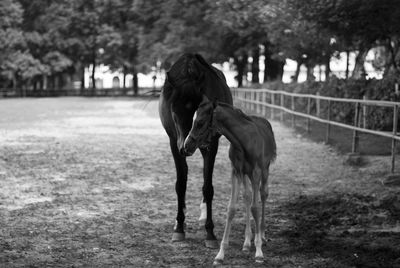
(232, 123)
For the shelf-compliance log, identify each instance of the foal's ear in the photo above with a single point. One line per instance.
(205, 99)
(214, 103)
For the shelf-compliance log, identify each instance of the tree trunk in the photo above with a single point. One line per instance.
(295, 77)
(273, 68)
(327, 67)
(93, 73)
(310, 72)
(240, 62)
(255, 68)
(82, 79)
(135, 84)
(124, 80)
(359, 69)
(347, 64)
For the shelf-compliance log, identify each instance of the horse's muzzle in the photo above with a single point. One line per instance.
(189, 147)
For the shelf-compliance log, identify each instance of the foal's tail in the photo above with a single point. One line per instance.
(273, 143)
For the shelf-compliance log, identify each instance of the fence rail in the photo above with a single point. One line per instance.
(87, 92)
(259, 99)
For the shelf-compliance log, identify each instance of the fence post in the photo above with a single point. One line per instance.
(263, 100)
(364, 113)
(245, 102)
(273, 103)
(395, 119)
(318, 102)
(328, 125)
(254, 101)
(309, 113)
(292, 104)
(354, 146)
(282, 104)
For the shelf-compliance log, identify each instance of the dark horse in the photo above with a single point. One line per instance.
(189, 78)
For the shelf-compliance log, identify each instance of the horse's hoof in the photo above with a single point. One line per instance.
(176, 237)
(218, 262)
(212, 244)
(246, 249)
(259, 259)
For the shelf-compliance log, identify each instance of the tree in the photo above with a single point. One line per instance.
(356, 24)
(15, 60)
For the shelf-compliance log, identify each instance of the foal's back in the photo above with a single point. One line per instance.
(268, 137)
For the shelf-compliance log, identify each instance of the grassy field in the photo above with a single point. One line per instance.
(89, 182)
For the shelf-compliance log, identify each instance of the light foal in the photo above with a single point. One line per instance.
(252, 150)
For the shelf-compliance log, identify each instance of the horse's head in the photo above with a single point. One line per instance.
(185, 99)
(202, 128)
(189, 78)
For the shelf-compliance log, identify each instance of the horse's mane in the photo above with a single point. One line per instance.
(186, 76)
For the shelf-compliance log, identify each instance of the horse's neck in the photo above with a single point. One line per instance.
(232, 125)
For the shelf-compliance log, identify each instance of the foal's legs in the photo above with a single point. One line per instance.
(264, 196)
(180, 188)
(208, 190)
(247, 203)
(255, 209)
(230, 214)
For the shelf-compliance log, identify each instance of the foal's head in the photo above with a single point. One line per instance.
(202, 128)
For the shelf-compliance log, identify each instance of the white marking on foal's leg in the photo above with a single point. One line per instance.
(230, 214)
(247, 203)
(203, 213)
(256, 211)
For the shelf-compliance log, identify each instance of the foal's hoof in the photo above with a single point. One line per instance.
(246, 249)
(218, 262)
(212, 244)
(202, 221)
(259, 259)
(176, 237)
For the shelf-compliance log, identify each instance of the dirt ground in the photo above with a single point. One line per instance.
(90, 183)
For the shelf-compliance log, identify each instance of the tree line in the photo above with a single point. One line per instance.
(48, 43)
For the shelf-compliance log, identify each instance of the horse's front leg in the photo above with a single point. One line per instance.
(208, 191)
(180, 188)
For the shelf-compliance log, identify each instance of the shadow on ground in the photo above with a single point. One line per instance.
(347, 228)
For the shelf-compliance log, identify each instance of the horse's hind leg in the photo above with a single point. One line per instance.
(229, 217)
(264, 196)
(247, 203)
(180, 188)
(208, 191)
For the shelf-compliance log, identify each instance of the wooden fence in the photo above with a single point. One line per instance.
(259, 99)
(87, 92)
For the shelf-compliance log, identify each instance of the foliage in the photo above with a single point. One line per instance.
(64, 36)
